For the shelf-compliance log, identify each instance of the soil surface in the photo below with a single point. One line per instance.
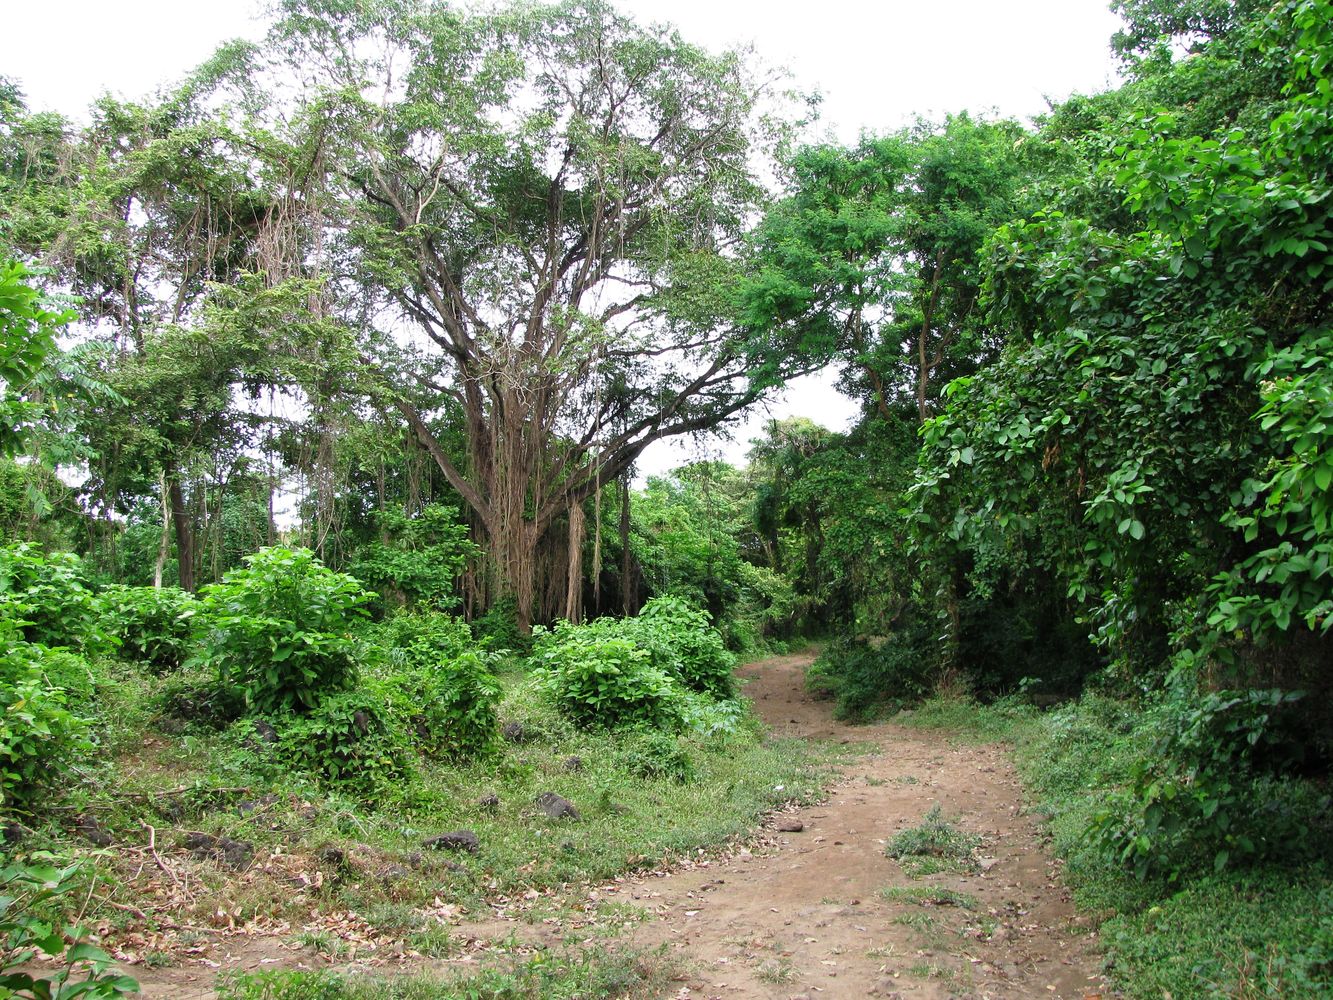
(810, 912)
(810, 917)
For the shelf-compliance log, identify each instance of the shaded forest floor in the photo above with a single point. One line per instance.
(810, 906)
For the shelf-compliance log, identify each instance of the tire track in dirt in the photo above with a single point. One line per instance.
(808, 918)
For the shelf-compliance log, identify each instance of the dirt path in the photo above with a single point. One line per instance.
(804, 914)
(809, 917)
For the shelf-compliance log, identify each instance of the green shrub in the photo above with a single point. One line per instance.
(601, 681)
(153, 626)
(444, 688)
(498, 628)
(419, 638)
(683, 643)
(1211, 789)
(25, 890)
(49, 598)
(869, 680)
(420, 561)
(352, 739)
(41, 740)
(279, 630)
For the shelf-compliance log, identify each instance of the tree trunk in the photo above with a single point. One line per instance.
(574, 578)
(626, 561)
(164, 540)
(180, 517)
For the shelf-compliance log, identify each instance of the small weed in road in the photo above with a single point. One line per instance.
(929, 895)
(936, 845)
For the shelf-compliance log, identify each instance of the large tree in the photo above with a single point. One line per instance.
(549, 198)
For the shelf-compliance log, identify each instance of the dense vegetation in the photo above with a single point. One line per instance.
(321, 397)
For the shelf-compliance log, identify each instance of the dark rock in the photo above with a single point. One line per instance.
(557, 806)
(232, 853)
(573, 764)
(394, 873)
(92, 831)
(790, 826)
(458, 840)
(490, 802)
(254, 805)
(514, 732)
(265, 733)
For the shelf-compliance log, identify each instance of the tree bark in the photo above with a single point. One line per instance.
(180, 517)
(164, 540)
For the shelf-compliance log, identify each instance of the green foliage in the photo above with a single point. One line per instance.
(41, 740)
(590, 974)
(27, 336)
(932, 846)
(657, 755)
(498, 628)
(86, 970)
(599, 680)
(870, 678)
(278, 630)
(419, 559)
(352, 739)
(1265, 934)
(680, 641)
(153, 626)
(48, 597)
(1206, 795)
(442, 685)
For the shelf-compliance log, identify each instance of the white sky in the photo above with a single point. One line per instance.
(877, 63)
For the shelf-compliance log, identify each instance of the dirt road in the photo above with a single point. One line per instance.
(822, 912)
(810, 917)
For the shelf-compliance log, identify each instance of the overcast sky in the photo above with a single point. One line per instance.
(876, 63)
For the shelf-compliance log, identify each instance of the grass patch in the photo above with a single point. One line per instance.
(1005, 719)
(936, 845)
(929, 895)
(589, 975)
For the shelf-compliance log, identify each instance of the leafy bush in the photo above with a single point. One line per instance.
(871, 679)
(85, 969)
(351, 738)
(445, 689)
(40, 738)
(603, 681)
(49, 598)
(681, 641)
(278, 629)
(420, 638)
(422, 558)
(152, 625)
(1211, 789)
(498, 628)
